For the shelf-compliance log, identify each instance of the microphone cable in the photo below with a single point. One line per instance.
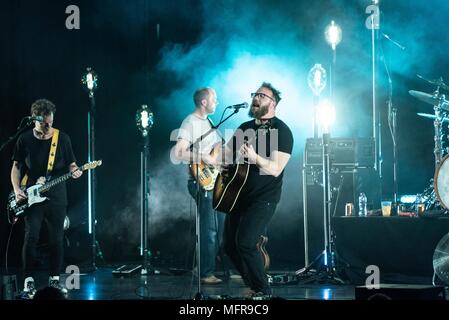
(8, 243)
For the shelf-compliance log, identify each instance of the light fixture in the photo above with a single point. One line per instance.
(408, 199)
(90, 80)
(317, 79)
(333, 34)
(326, 115)
(144, 120)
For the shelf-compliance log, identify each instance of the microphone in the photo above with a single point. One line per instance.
(386, 36)
(37, 118)
(243, 105)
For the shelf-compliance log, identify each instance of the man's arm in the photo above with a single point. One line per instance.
(181, 150)
(15, 181)
(272, 166)
(276, 165)
(183, 153)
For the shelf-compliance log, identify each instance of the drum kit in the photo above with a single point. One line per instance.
(436, 196)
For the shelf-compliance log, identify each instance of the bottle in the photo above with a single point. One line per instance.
(362, 205)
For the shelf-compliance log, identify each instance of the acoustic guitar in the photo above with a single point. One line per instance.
(228, 186)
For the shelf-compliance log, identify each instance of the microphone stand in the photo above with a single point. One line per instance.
(91, 176)
(392, 125)
(199, 295)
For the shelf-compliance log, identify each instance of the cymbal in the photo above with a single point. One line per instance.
(430, 99)
(431, 116)
(438, 82)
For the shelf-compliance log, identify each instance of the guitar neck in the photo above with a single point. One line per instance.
(57, 181)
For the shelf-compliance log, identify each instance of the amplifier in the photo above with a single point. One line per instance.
(346, 152)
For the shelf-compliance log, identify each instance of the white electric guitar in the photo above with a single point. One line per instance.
(34, 193)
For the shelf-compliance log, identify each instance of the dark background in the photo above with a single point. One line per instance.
(232, 46)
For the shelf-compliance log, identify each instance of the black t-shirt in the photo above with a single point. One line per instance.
(33, 153)
(259, 185)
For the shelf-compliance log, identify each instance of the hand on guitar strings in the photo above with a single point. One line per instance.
(248, 152)
(41, 180)
(209, 160)
(20, 195)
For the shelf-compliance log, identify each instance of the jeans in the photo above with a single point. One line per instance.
(34, 216)
(243, 228)
(211, 222)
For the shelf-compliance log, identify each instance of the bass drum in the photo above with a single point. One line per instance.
(441, 182)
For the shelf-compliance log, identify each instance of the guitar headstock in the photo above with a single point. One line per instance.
(91, 165)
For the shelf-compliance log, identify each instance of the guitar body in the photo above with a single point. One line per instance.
(15, 208)
(228, 187)
(204, 174)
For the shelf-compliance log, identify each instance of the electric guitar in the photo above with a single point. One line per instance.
(34, 193)
(206, 174)
(228, 186)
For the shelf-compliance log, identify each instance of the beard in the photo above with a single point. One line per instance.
(259, 112)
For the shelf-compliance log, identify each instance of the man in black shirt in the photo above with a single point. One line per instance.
(268, 154)
(31, 158)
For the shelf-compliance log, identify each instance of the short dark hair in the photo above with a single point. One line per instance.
(42, 107)
(200, 95)
(276, 93)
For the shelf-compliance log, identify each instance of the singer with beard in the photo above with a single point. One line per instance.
(262, 190)
(31, 157)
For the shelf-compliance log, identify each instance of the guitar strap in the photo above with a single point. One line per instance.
(51, 156)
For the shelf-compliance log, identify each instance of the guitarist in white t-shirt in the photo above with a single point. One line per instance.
(200, 158)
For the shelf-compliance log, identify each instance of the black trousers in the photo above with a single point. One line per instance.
(34, 217)
(243, 228)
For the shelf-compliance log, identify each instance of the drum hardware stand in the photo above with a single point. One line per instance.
(429, 196)
(326, 270)
(392, 125)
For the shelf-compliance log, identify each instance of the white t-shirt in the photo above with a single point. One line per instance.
(194, 127)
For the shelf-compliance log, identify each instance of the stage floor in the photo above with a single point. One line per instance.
(102, 285)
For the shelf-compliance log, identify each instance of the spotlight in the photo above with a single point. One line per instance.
(317, 79)
(326, 115)
(333, 34)
(90, 80)
(144, 120)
